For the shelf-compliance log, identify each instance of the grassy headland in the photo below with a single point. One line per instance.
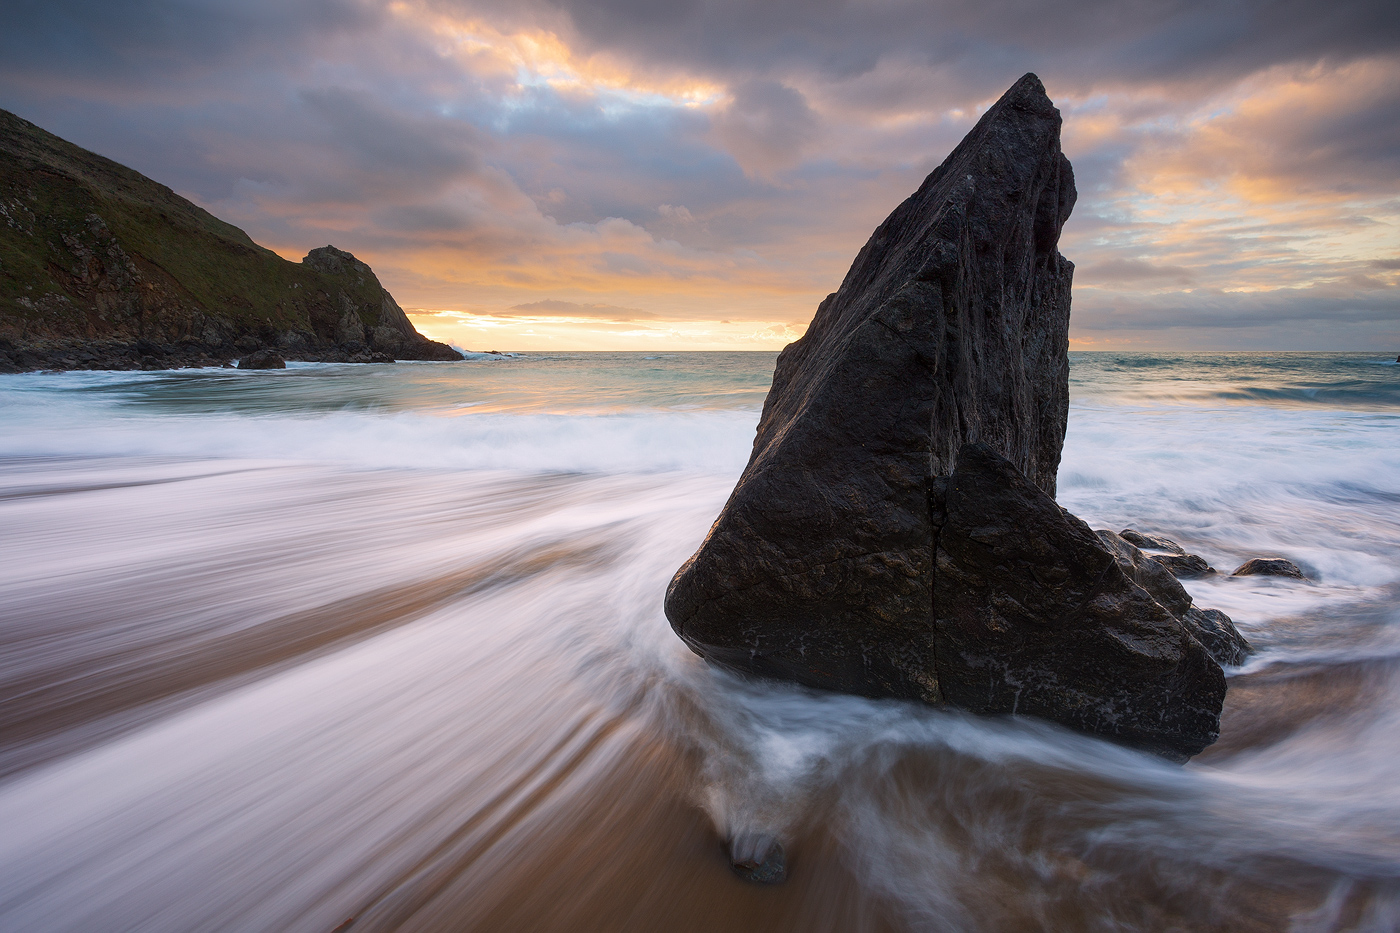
(101, 266)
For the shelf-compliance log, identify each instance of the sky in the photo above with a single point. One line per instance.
(699, 174)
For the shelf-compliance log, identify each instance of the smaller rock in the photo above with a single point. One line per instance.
(262, 359)
(1184, 566)
(1151, 542)
(1269, 567)
(246, 344)
(758, 858)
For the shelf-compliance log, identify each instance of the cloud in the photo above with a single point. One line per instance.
(1237, 163)
(765, 126)
(550, 307)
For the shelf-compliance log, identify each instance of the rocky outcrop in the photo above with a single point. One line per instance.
(895, 532)
(99, 260)
(951, 326)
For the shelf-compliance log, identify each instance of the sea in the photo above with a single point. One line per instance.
(381, 647)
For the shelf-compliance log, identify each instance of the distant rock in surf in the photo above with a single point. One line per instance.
(851, 556)
(1269, 567)
(262, 359)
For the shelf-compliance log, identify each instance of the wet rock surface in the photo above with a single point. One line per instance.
(895, 532)
(262, 359)
(1034, 615)
(1269, 567)
(1150, 542)
(1184, 566)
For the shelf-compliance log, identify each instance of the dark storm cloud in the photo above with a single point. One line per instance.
(386, 148)
(1138, 41)
(1350, 313)
(134, 41)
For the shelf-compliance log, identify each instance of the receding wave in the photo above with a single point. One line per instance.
(268, 663)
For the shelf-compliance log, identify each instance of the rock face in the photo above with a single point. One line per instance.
(951, 326)
(895, 532)
(1034, 615)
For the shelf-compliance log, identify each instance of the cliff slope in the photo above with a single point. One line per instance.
(102, 267)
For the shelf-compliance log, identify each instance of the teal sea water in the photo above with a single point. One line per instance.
(282, 649)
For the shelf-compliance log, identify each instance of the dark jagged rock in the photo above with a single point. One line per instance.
(1151, 542)
(1174, 559)
(1146, 572)
(262, 359)
(1153, 572)
(895, 531)
(951, 326)
(1269, 567)
(1034, 615)
(1185, 566)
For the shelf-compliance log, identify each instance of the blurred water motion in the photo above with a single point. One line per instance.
(422, 680)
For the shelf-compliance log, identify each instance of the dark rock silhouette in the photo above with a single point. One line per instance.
(895, 533)
(951, 325)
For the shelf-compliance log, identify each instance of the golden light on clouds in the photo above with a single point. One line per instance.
(529, 57)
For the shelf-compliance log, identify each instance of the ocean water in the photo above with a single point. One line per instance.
(279, 650)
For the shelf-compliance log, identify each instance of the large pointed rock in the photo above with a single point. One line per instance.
(895, 532)
(951, 326)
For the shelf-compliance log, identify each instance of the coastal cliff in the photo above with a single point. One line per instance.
(103, 268)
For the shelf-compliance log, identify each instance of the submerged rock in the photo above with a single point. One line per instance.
(895, 532)
(758, 858)
(1269, 567)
